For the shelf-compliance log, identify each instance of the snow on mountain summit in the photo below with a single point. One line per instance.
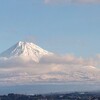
(53, 69)
(25, 50)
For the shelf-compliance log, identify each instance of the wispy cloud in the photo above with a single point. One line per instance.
(71, 1)
(67, 59)
(72, 60)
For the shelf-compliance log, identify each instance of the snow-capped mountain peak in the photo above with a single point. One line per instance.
(53, 69)
(25, 50)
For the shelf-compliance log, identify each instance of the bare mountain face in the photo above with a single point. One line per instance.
(25, 50)
(12, 72)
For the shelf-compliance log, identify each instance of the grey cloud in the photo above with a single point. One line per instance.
(72, 1)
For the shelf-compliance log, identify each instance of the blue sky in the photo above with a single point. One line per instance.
(60, 28)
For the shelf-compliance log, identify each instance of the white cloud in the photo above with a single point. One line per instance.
(54, 68)
(71, 60)
(71, 1)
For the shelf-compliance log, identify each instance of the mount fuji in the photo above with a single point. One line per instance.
(25, 51)
(44, 67)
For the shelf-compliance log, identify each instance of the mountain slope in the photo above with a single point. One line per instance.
(25, 50)
(49, 69)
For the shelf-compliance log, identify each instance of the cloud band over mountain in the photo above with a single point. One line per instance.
(18, 65)
(50, 69)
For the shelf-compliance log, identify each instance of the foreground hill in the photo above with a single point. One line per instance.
(66, 96)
